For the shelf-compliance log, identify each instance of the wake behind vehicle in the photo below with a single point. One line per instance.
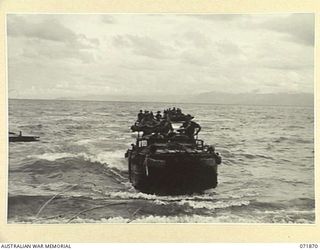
(167, 157)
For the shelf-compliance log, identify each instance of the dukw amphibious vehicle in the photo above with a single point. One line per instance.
(168, 157)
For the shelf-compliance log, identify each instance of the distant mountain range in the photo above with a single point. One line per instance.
(289, 99)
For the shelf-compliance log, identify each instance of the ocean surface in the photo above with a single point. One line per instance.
(77, 172)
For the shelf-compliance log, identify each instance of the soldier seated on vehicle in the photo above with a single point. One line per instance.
(145, 117)
(140, 116)
(190, 128)
(151, 115)
(165, 114)
(158, 116)
(211, 149)
(165, 127)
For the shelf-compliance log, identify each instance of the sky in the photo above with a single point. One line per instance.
(77, 55)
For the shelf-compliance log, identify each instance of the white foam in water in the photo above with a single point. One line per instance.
(114, 159)
(204, 201)
(214, 205)
(178, 219)
(148, 219)
(218, 218)
(56, 156)
(139, 195)
(53, 156)
(156, 198)
(126, 195)
(84, 142)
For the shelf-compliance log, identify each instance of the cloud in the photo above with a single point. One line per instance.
(143, 54)
(47, 29)
(47, 39)
(121, 41)
(299, 27)
(197, 38)
(57, 52)
(291, 63)
(228, 48)
(198, 58)
(142, 45)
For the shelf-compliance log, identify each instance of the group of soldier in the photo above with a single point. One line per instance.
(161, 124)
(173, 112)
(147, 117)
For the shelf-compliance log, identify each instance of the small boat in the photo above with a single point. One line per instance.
(13, 137)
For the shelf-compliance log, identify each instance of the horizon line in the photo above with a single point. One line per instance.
(167, 102)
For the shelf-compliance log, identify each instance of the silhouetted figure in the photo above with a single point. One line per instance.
(165, 127)
(151, 115)
(165, 115)
(211, 149)
(145, 117)
(140, 116)
(158, 116)
(191, 128)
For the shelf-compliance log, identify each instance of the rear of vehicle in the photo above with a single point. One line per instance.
(173, 168)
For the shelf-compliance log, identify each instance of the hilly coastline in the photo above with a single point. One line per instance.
(278, 99)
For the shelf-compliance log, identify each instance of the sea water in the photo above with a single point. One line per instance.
(77, 172)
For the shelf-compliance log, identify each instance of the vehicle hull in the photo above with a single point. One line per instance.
(183, 174)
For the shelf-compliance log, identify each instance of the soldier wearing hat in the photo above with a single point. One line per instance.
(190, 128)
(158, 116)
